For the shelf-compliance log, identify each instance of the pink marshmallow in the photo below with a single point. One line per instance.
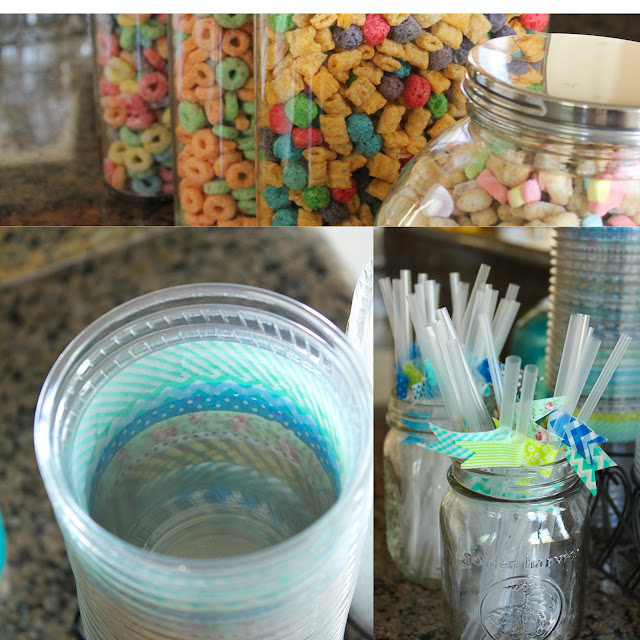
(528, 191)
(492, 185)
(620, 220)
(616, 196)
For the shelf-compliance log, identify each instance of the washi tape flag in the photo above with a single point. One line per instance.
(452, 443)
(419, 390)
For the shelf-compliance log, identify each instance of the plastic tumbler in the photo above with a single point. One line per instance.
(207, 450)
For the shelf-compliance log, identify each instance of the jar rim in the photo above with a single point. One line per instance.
(566, 103)
(116, 552)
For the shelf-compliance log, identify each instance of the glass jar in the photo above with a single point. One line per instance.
(207, 450)
(515, 552)
(415, 481)
(132, 101)
(347, 99)
(544, 144)
(213, 119)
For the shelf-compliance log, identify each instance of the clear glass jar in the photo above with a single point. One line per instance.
(347, 99)
(415, 481)
(208, 453)
(132, 101)
(544, 145)
(213, 119)
(515, 552)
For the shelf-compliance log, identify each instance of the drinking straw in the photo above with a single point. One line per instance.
(454, 283)
(481, 280)
(575, 337)
(512, 291)
(503, 321)
(422, 277)
(603, 379)
(581, 373)
(510, 390)
(459, 305)
(529, 380)
(430, 294)
(492, 359)
(461, 381)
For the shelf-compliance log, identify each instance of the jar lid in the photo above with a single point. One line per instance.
(563, 85)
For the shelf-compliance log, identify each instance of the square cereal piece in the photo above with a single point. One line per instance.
(390, 118)
(324, 20)
(391, 48)
(378, 188)
(453, 71)
(394, 19)
(440, 125)
(365, 215)
(295, 195)
(359, 91)
(356, 160)
(276, 51)
(516, 25)
(456, 112)
(285, 63)
(367, 51)
(323, 85)
(309, 219)
(271, 97)
(302, 41)
(381, 166)
(426, 20)
(339, 174)
(344, 61)
(318, 154)
(271, 174)
(449, 35)
(394, 152)
(532, 46)
(334, 129)
(457, 20)
(416, 56)
(344, 149)
(457, 97)
(417, 121)
(318, 173)
(369, 71)
(396, 140)
(336, 105)
(301, 20)
(309, 64)
(373, 103)
(428, 42)
(416, 144)
(325, 39)
(353, 204)
(345, 20)
(385, 62)
(436, 79)
(478, 28)
(287, 84)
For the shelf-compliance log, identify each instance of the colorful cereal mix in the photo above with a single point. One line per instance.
(349, 99)
(132, 95)
(214, 125)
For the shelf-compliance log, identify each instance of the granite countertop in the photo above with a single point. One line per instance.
(406, 611)
(41, 315)
(49, 168)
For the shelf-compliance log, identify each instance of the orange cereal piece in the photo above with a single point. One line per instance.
(129, 58)
(198, 170)
(208, 94)
(196, 219)
(235, 42)
(183, 22)
(227, 146)
(197, 55)
(219, 207)
(162, 47)
(191, 200)
(241, 122)
(114, 116)
(206, 32)
(185, 48)
(247, 58)
(247, 27)
(119, 177)
(214, 111)
(247, 93)
(241, 175)
(186, 183)
(223, 162)
(182, 134)
(204, 74)
(204, 144)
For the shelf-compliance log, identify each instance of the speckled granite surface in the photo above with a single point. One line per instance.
(41, 316)
(405, 611)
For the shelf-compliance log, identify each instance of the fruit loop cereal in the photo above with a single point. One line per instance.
(348, 99)
(131, 54)
(214, 119)
(533, 159)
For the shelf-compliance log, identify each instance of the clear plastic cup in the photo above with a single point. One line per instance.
(207, 450)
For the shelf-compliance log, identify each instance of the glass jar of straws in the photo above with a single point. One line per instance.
(414, 484)
(515, 552)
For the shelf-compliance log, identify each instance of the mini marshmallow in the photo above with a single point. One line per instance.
(620, 220)
(528, 191)
(592, 221)
(437, 202)
(492, 185)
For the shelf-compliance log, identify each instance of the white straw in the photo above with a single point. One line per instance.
(511, 377)
(603, 379)
(492, 359)
(576, 334)
(580, 375)
(529, 380)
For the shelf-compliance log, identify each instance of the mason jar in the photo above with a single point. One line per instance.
(515, 552)
(552, 138)
(131, 89)
(346, 100)
(415, 481)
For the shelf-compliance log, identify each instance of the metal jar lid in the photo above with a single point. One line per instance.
(565, 86)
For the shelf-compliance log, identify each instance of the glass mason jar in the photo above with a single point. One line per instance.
(544, 145)
(213, 119)
(415, 481)
(132, 101)
(347, 99)
(515, 552)
(207, 450)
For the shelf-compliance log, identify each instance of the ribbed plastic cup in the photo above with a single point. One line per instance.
(207, 450)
